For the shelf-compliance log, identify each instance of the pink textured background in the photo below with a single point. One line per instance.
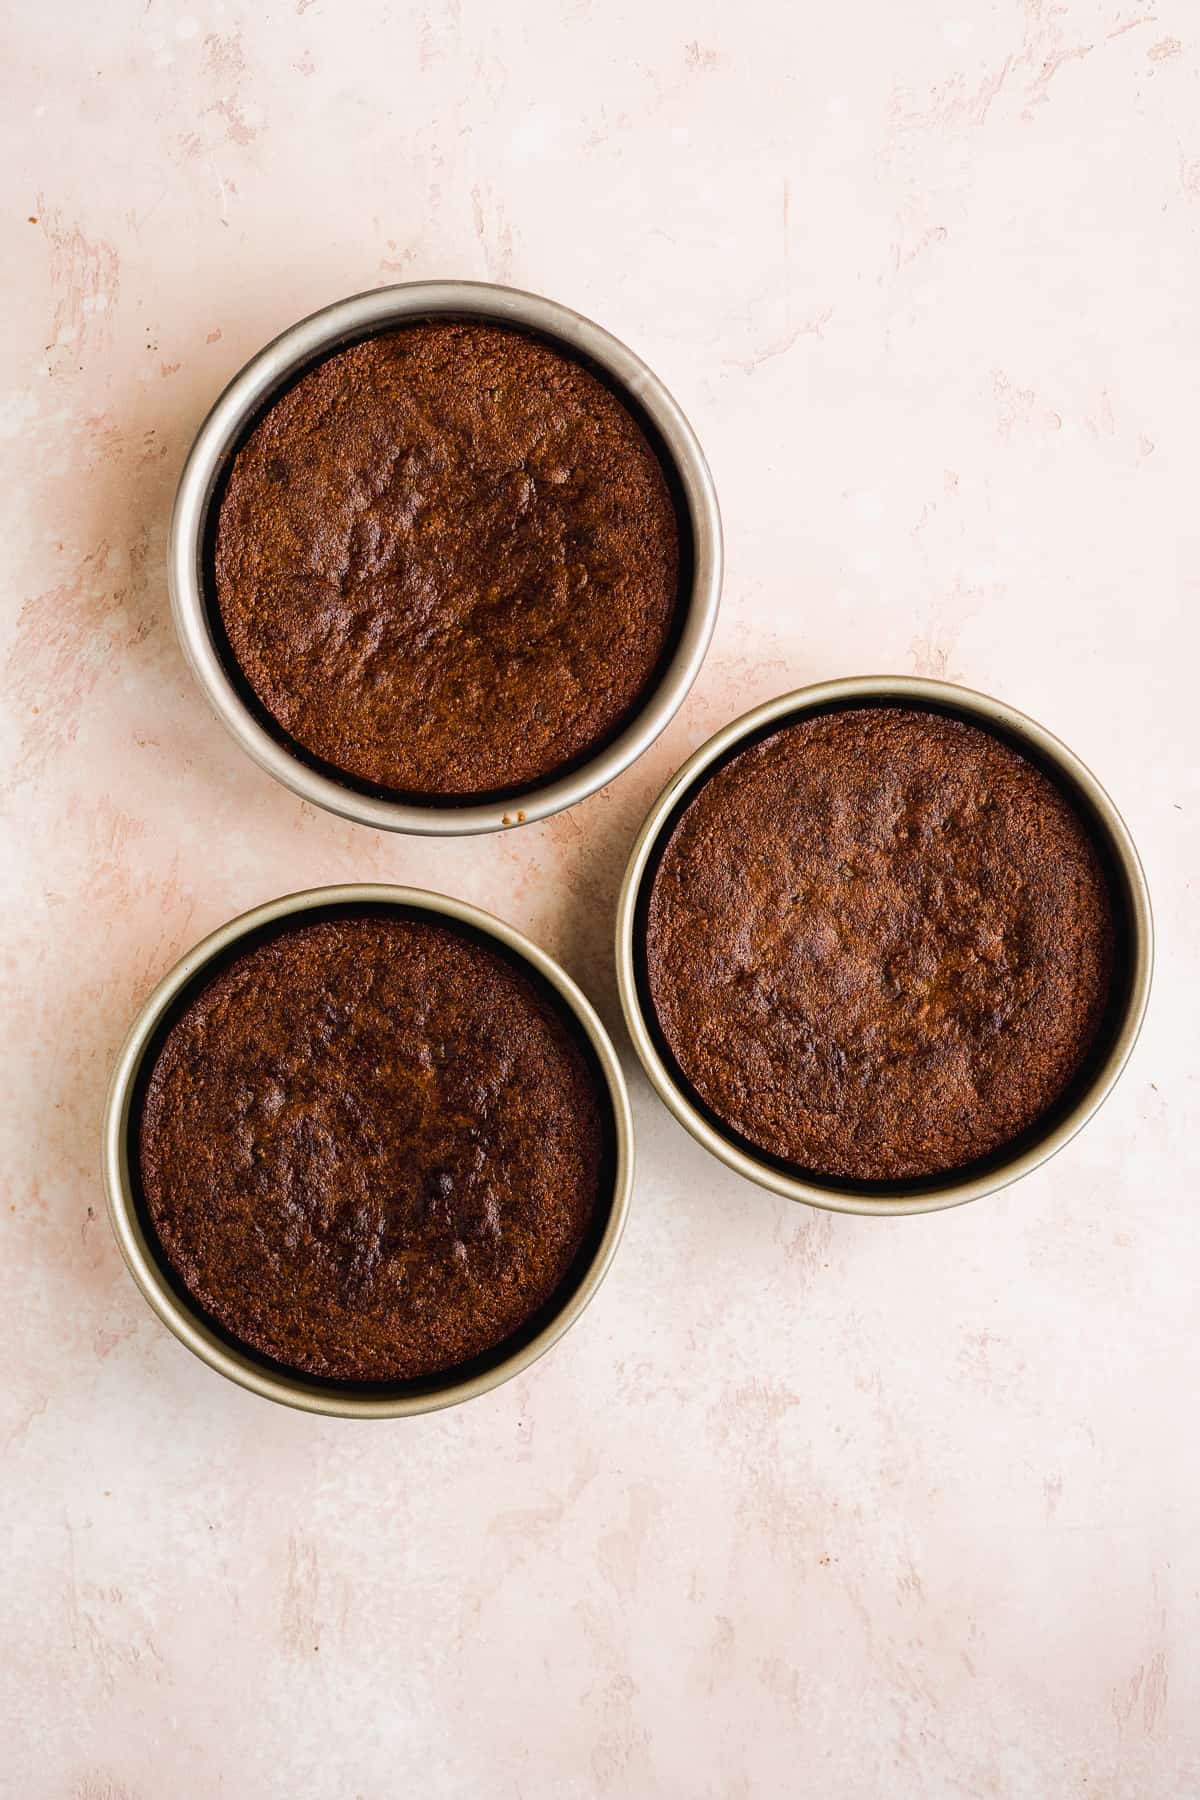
(805, 1505)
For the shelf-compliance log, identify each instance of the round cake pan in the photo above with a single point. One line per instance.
(349, 321)
(344, 1399)
(1132, 981)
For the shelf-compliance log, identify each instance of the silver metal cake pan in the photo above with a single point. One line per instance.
(1131, 894)
(171, 1304)
(382, 310)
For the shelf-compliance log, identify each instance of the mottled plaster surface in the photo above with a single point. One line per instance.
(805, 1505)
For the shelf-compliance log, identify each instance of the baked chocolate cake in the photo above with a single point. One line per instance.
(447, 562)
(371, 1147)
(879, 944)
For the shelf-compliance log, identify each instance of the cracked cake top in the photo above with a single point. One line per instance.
(447, 562)
(879, 944)
(371, 1147)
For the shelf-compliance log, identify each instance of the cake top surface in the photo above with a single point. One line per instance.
(879, 944)
(371, 1147)
(447, 562)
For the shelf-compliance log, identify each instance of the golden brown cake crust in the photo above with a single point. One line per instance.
(371, 1148)
(447, 561)
(879, 944)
